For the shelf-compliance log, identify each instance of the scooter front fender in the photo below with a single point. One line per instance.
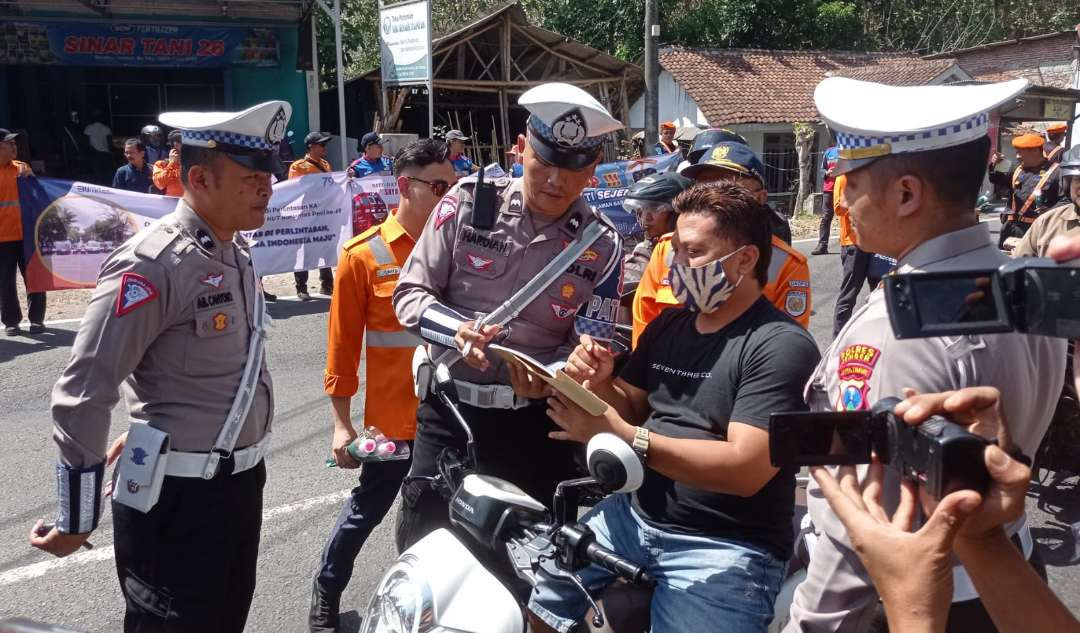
(457, 592)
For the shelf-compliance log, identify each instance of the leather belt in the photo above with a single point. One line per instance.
(1012, 217)
(490, 396)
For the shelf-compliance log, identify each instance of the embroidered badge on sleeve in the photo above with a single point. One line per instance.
(135, 290)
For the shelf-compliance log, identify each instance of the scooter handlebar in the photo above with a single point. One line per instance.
(616, 564)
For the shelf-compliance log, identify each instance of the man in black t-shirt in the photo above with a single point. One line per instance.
(712, 520)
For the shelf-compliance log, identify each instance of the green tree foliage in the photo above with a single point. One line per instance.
(617, 26)
(58, 224)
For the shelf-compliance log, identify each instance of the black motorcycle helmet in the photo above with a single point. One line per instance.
(707, 139)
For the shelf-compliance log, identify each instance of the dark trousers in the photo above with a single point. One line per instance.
(365, 509)
(825, 227)
(326, 276)
(511, 444)
(189, 563)
(1011, 229)
(12, 261)
(856, 266)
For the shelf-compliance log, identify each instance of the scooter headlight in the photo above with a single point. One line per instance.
(401, 604)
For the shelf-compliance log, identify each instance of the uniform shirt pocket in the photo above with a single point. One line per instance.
(220, 341)
(479, 262)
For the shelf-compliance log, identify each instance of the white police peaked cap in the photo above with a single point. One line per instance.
(250, 137)
(566, 124)
(873, 120)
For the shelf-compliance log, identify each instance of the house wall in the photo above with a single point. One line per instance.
(675, 105)
(1051, 61)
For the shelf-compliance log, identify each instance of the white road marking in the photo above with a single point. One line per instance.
(36, 570)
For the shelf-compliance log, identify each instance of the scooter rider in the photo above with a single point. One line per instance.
(496, 261)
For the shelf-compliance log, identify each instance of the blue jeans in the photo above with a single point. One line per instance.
(702, 583)
(370, 501)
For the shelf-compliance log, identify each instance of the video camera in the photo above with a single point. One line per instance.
(1029, 295)
(940, 455)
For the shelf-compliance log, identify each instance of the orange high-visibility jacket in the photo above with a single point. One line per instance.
(847, 235)
(166, 176)
(361, 312)
(788, 288)
(10, 212)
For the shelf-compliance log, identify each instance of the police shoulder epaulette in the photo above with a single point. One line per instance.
(157, 240)
(603, 219)
(362, 238)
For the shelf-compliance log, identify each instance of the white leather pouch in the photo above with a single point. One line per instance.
(141, 467)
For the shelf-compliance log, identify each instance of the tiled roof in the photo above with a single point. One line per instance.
(909, 72)
(741, 85)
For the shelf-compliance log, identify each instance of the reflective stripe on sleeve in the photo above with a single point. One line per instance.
(79, 493)
(439, 324)
(404, 338)
(380, 250)
(776, 264)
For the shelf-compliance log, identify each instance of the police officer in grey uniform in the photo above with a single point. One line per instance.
(912, 180)
(470, 261)
(176, 323)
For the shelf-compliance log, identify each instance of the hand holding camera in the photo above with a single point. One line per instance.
(912, 570)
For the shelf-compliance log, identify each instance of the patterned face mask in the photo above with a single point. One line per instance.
(703, 288)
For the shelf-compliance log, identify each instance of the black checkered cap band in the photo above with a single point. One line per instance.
(79, 493)
(200, 138)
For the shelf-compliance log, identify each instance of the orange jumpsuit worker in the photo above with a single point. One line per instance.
(361, 313)
(166, 174)
(788, 288)
(313, 162)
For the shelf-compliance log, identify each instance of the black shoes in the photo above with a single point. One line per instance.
(270, 298)
(303, 294)
(323, 617)
(327, 289)
(12, 330)
(37, 328)
(822, 249)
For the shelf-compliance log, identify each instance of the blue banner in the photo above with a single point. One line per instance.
(145, 45)
(624, 173)
(610, 202)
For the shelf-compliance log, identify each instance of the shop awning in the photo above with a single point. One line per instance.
(276, 11)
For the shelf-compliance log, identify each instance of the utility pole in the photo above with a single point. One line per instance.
(335, 16)
(652, 76)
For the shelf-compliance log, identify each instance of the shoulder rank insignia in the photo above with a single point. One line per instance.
(204, 239)
(135, 290)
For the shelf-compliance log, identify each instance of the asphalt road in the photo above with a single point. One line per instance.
(302, 496)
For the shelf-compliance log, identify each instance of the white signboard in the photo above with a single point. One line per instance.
(405, 43)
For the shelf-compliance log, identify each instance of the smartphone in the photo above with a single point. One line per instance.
(819, 438)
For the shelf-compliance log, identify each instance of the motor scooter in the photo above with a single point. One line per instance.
(439, 584)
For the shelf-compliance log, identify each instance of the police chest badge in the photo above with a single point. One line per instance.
(569, 129)
(854, 370)
(135, 291)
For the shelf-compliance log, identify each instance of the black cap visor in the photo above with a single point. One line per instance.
(848, 165)
(254, 159)
(562, 157)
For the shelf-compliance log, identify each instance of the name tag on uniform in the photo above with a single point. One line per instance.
(387, 272)
(214, 300)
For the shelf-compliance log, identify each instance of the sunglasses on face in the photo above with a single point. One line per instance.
(438, 187)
